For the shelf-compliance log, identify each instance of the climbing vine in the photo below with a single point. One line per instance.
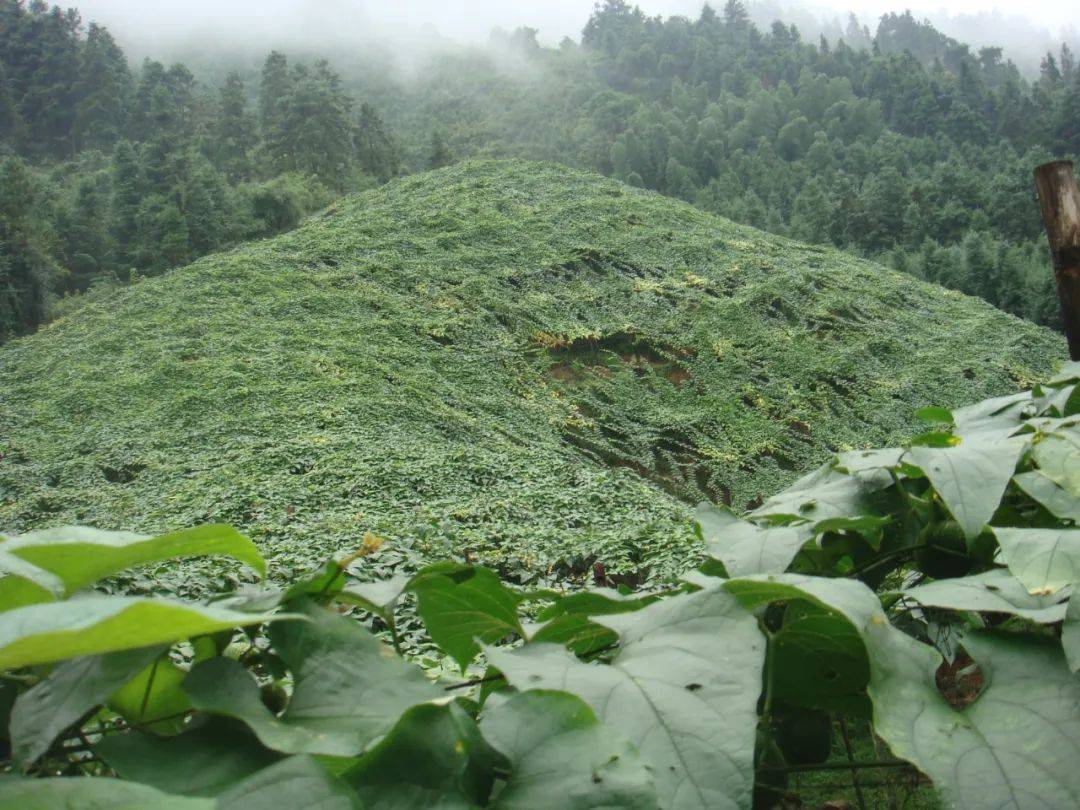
(924, 589)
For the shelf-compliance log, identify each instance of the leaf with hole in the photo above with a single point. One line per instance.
(745, 548)
(562, 757)
(683, 688)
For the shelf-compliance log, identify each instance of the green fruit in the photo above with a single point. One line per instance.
(942, 551)
(273, 697)
(805, 736)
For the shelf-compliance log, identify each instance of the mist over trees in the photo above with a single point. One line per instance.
(902, 143)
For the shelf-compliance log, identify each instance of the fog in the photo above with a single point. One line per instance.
(161, 26)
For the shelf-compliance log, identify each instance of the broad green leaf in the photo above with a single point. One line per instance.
(991, 417)
(971, 478)
(683, 689)
(377, 597)
(819, 661)
(595, 602)
(203, 761)
(348, 690)
(996, 591)
(41, 634)
(1045, 560)
(1070, 634)
(562, 757)
(935, 414)
(1070, 372)
(1058, 502)
(19, 592)
(154, 700)
(1058, 457)
(81, 556)
(744, 548)
(981, 756)
(470, 605)
(435, 757)
(826, 493)
(297, 783)
(855, 461)
(72, 689)
(24, 583)
(870, 527)
(576, 633)
(85, 793)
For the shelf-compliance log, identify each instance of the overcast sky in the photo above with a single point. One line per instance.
(156, 20)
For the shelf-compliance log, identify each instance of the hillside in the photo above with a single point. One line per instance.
(524, 362)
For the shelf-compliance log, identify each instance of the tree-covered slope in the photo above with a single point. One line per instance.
(519, 361)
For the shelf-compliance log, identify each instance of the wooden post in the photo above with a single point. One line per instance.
(1060, 201)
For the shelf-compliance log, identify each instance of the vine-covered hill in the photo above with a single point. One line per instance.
(526, 363)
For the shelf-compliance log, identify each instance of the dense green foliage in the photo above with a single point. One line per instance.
(905, 145)
(529, 363)
(924, 588)
(139, 172)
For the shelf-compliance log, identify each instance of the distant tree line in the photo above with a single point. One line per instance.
(108, 173)
(903, 145)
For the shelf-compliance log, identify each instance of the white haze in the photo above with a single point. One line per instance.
(159, 27)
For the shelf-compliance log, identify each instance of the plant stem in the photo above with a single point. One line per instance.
(851, 762)
(149, 687)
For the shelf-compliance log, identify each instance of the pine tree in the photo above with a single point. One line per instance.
(12, 128)
(735, 17)
(27, 272)
(439, 152)
(274, 91)
(234, 132)
(377, 152)
(103, 91)
(127, 192)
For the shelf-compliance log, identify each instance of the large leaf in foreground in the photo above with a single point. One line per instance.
(745, 548)
(203, 761)
(995, 591)
(71, 690)
(562, 757)
(85, 793)
(347, 689)
(297, 783)
(683, 689)
(434, 758)
(465, 605)
(154, 700)
(41, 634)
(1058, 457)
(1059, 502)
(970, 478)
(1045, 560)
(1015, 747)
(81, 556)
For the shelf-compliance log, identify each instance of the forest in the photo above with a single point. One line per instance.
(903, 146)
(683, 415)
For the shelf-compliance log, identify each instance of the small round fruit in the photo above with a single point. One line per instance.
(805, 736)
(942, 552)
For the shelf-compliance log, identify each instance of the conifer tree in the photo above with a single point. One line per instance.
(439, 152)
(234, 133)
(103, 91)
